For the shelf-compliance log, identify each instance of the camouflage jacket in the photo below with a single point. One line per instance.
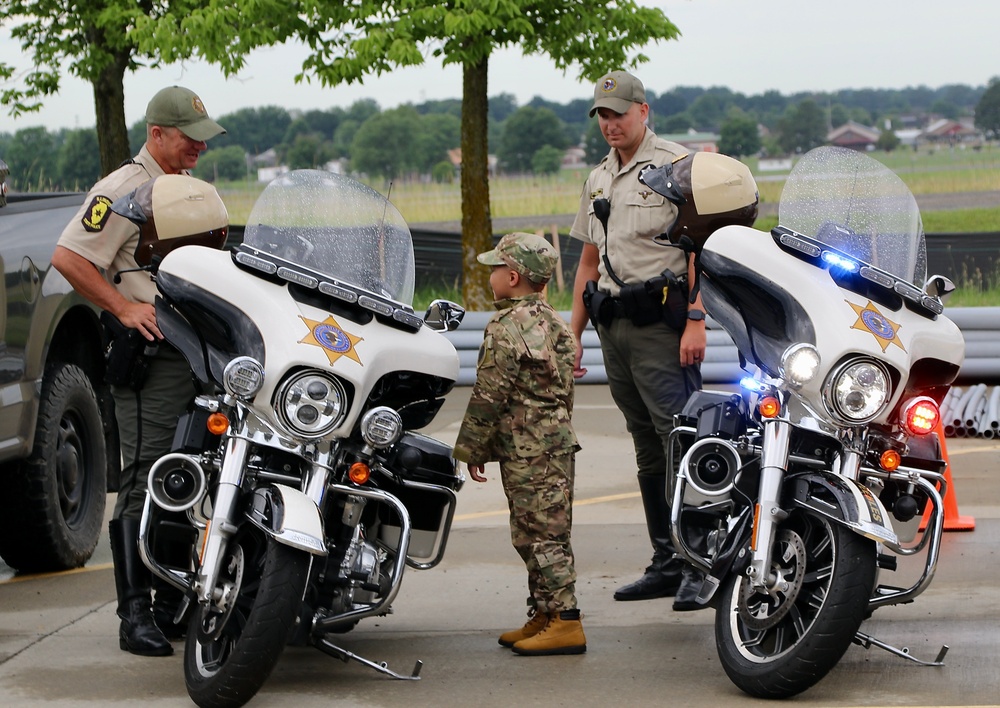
(522, 401)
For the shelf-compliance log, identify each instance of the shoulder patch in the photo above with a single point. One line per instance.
(486, 358)
(96, 215)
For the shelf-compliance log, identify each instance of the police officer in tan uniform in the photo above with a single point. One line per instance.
(519, 413)
(96, 254)
(651, 366)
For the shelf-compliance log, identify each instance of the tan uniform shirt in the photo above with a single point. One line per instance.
(637, 215)
(108, 240)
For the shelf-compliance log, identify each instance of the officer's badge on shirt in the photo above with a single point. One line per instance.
(97, 213)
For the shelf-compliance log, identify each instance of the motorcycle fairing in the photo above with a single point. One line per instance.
(799, 301)
(763, 318)
(207, 330)
(384, 351)
(289, 517)
(842, 500)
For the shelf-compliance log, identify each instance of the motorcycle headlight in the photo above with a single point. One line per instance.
(311, 403)
(799, 364)
(243, 377)
(857, 390)
(381, 426)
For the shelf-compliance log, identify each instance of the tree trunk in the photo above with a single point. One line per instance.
(477, 228)
(109, 106)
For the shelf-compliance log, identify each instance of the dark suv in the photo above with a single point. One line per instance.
(58, 446)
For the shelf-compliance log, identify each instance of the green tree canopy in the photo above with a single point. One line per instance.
(31, 157)
(739, 135)
(308, 151)
(77, 166)
(436, 134)
(524, 133)
(547, 160)
(223, 164)
(383, 145)
(254, 129)
(594, 144)
(803, 127)
(988, 109)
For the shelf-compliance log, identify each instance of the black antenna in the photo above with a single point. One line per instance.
(381, 231)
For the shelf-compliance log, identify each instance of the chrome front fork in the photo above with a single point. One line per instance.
(768, 513)
(220, 526)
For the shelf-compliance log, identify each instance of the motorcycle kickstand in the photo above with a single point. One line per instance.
(328, 647)
(866, 640)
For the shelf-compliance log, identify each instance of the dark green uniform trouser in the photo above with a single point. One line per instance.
(146, 421)
(648, 384)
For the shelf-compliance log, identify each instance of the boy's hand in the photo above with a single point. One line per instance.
(476, 472)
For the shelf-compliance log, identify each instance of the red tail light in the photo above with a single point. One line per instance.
(920, 416)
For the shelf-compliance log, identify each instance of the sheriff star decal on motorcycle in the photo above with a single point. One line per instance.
(871, 320)
(334, 340)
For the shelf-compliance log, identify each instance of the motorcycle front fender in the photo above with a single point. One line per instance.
(843, 501)
(289, 517)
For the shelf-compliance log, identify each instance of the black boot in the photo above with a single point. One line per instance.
(686, 598)
(138, 633)
(663, 575)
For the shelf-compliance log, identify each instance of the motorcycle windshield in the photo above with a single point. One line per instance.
(337, 227)
(853, 203)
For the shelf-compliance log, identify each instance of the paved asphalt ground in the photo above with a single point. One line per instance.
(58, 633)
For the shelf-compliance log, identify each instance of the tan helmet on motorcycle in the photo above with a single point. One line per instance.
(174, 211)
(710, 190)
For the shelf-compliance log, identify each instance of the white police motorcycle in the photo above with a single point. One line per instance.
(812, 481)
(301, 489)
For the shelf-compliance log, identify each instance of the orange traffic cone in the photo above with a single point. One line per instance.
(953, 521)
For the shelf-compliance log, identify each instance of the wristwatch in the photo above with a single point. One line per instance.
(696, 315)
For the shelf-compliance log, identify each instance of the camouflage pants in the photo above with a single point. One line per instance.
(540, 497)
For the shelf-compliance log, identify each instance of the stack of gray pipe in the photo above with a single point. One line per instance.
(980, 326)
(972, 411)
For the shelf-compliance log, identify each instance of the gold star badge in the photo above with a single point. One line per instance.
(334, 340)
(881, 327)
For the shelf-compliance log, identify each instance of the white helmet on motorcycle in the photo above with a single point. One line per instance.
(173, 211)
(710, 191)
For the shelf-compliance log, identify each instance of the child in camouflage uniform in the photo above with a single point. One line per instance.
(519, 414)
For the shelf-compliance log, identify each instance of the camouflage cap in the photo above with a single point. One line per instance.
(617, 90)
(528, 254)
(178, 107)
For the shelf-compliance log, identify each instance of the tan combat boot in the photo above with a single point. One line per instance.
(562, 635)
(535, 624)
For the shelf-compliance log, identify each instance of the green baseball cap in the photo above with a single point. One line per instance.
(529, 254)
(178, 107)
(617, 90)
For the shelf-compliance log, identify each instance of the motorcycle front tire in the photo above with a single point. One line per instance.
(228, 657)
(775, 645)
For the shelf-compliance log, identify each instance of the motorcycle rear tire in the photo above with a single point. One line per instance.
(225, 669)
(807, 637)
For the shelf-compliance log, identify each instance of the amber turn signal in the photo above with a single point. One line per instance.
(890, 460)
(359, 473)
(769, 407)
(217, 423)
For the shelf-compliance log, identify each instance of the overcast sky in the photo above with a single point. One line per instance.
(749, 46)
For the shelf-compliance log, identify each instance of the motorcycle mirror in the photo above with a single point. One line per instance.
(444, 316)
(939, 286)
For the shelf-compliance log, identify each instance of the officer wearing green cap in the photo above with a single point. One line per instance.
(519, 414)
(96, 254)
(652, 365)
